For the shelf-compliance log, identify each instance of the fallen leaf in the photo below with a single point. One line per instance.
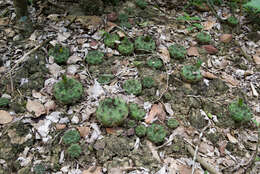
(208, 75)
(121, 34)
(208, 25)
(222, 147)
(153, 150)
(205, 148)
(210, 49)
(84, 131)
(254, 91)
(229, 79)
(36, 107)
(164, 54)
(4, 21)
(60, 126)
(225, 38)
(232, 139)
(115, 170)
(193, 51)
(110, 26)
(156, 110)
(89, 22)
(93, 170)
(5, 117)
(256, 57)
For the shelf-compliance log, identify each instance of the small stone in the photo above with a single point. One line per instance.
(226, 38)
(210, 49)
(112, 17)
(60, 126)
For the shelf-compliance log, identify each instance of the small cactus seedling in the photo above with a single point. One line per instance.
(155, 63)
(136, 112)
(156, 133)
(126, 47)
(191, 73)
(123, 19)
(232, 21)
(172, 123)
(68, 90)
(110, 40)
(105, 79)
(148, 82)
(60, 54)
(144, 44)
(177, 51)
(74, 151)
(131, 124)
(140, 130)
(71, 137)
(203, 38)
(112, 112)
(141, 4)
(239, 111)
(4, 102)
(132, 86)
(94, 57)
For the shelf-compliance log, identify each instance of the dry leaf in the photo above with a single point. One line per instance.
(121, 34)
(205, 148)
(5, 117)
(49, 106)
(193, 51)
(84, 131)
(36, 107)
(208, 25)
(164, 54)
(153, 150)
(229, 79)
(208, 75)
(156, 110)
(254, 91)
(60, 126)
(110, 26)
(256, 57)
(93, 170)
(225, 38)
(232, 139)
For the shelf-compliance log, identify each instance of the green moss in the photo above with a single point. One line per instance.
(94, 57)
(105, 78)
(191, 73)
(140, 130)
(68, 90)
(132, 86)
(172, 123)
(74, 151)
(141, 4)
(70, 137)
(239, 111)
(232, 20)
(155, 63)
(39, 169)
(177, 51)
(148, 82)
(156, 133)
(4, 102)
(111, 39)
(126, 47)
(136, 112)
(203, 38)
(112, 112)
(60, 54)
(144, 44)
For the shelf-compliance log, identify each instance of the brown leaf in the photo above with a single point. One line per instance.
(156, 110)
(60, 126)
(110, 26)
(164, 54)
(208, 25)
(256, 57)
(84, 131)
(49, 106)
(232, 139)
(89, 22)
(222, 146)
(208, 75)
(93, 170)
(5, 117)
(225, 38)
(36, 107)
(210, 49)
(193, 51)
(229, 79)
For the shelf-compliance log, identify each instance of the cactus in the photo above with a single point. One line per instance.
(136, 112)
(132, 86)
(177, 51)
(4, 102)
(148, 82)
(105, 78)
(155, 63)
(239, 111)
(144, 44)
(111, 39)
(74, 151)
(60, 54)
(156, 133)
(94, 57)
(71, 137)
(203, 38)
(191, 73)
(172, 123)
(140, 130)
(126, 47)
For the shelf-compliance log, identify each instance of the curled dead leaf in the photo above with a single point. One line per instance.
(36, 107)
(5, 117)
(156, 110)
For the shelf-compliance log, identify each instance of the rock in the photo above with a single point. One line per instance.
(226, 38)
(112, 17)
(210, 49)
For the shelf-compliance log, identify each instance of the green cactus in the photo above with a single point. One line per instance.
(144, 44)
(239, 111)
(126, 47)
(155, 63)
(131, 124)
(172, 123)
(68, 90)
(123, 19)
(148, 82)
(74, 151)
(111, 39)
(203, 38)
(177, 51)
(60, 54)
(4, 102)
(141, 4)
(71, 137)
(39, 169)
(112, 112)
(136, 112)
(105, 79)
(156, 133)
(140, 130)
(191, 73)
(94, 57)
(132, 86)
(232, 20)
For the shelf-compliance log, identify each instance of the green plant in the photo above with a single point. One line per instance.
(110, 40)
(71, 137)
(94, 57)
(112, 112)
(105, 78)
(203, 38)
(131, 123)
(136, 112)
(253, 4)
(156, 133)
(177, 51)
(191, 73)
(39, 169)
(148, 82)
(239, 111)
(4, 102)
(232, 20)
(155, 63)
(68, 90)
(141, 3)
(172, 123)
(126, 47)
(74, 151)
(132, 86)
(60, 54)
(140, 130)
(186, 17)
(144, 43)
(123, 20)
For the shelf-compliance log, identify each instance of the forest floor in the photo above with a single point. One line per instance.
(206, 139)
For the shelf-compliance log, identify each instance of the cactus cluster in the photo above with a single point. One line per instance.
(239, 111)
(60, 54)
